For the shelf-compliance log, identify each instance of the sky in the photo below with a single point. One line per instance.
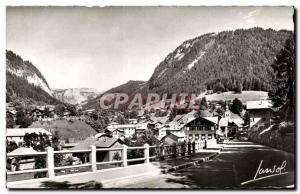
(101, 48)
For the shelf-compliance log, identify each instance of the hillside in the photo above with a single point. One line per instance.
(25, 83)
(221, 62)
(75, 95)
(226, 61)
(244, 96)
(25, 69)
(67, 129)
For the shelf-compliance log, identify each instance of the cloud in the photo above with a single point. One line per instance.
(250, 17)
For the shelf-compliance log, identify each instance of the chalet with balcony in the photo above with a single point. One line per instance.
(201, 128)
(260, 113)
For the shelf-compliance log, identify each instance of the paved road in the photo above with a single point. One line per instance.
(235, 167)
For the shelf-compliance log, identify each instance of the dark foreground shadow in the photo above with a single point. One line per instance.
(68, 185)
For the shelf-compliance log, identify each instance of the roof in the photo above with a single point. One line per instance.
(85, 144)
(102, 142)
(212, 119)
(20, 132)
(70, 144)
(261, 104)
(12, 111)
(23, 150)
(161, 120)
(223, 122)
(142, 126)
(101, 135)
(171, 135)
(205, 113)
(106, 142)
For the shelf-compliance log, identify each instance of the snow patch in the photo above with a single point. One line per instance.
(196, 60)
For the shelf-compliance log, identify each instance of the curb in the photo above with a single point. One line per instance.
(189, 164)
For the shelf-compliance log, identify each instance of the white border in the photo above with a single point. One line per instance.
(4, 3)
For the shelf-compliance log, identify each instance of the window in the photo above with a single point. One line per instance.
(203, 136)
(209, 136)
(197, 137)
(190, 136)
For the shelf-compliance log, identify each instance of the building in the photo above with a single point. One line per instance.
(20, 164)
(100, 141)
(37, 114)
(260, 113)
(121, 130)
(17, 134)
(25, 163)
(201, 128)
(230, 124)
(141, 129)
(171, 139)
(133, 121)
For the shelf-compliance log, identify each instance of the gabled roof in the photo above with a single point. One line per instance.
(261, 104)
(102, 142)
(13, 112)
(161, 120)
(85, 144)
(205, 113)
(212, 120)
(106, 142)
(171, 135)
(98, 135)
(20, 132)
(23, 150)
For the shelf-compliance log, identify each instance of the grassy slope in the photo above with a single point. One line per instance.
(244, 96)
(67, 129)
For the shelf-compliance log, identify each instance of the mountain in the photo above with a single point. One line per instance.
(224, 61)
(129, 88)
(221, 62)
(25, 83)
(75, 95)
(25, 69)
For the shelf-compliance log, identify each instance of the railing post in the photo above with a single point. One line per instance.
(50, 162)
(146, 153)
(194, 147)
(124, 155)
(93, 158)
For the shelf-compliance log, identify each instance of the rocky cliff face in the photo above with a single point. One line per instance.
(75, 95)
(25, 69)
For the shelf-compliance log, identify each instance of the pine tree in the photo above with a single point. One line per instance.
(282, 93)
(237, 106)
(203, 104)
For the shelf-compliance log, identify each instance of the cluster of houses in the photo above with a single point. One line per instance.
(182, 128)
(38, 113)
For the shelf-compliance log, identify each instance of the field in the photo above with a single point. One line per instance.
(67, 128)
(244, 96)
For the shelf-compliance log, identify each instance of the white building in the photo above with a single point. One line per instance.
(260, 113)
(17, 134)
(119, 130)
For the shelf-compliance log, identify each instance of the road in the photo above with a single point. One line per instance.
(235, 167)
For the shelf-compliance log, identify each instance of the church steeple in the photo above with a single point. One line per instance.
(227, 111)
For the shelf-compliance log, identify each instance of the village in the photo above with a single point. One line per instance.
(203, 130)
